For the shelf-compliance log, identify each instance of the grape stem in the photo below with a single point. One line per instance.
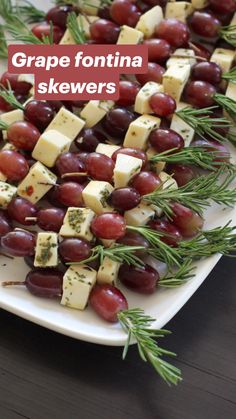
(30, 218)
(74, 174)
(6, 256)
(11, 283)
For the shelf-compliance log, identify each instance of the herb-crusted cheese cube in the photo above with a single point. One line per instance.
(199, 4)
(182, 56)
(37, 183)
(108, 271)
(158, 166)
(66, 123)
(142, 99)
(95, 196)
(149, 20)
(78, 281)
(224, 58)
(77, 223)
(46, 253)
(174, 80)
(129, 36)
(181, 127)
(179, 10)
(7, 192)
(95, 110)
(49, 146)
(84, 22)
(139, 131)
(107, 149)
(10, 117)
(139, 215)
(126, 168)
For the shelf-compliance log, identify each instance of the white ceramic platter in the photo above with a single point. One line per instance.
(162, 305)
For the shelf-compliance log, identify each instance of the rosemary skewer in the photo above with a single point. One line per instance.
(23, 34)
(3, 45)
(228, 104)
(174, 279)
(9, 97)
(228, 33)
(29, 12)
(230, 75)
(75, 26)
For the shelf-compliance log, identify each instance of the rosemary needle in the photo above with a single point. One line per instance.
(228, 33)
(230, 75)
(30, 13)
(228, 104)
(176, 278)
(75, 26)
(9, 97)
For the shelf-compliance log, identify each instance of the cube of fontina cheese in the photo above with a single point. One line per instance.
(77, 223)
(149, 20)
(142, 99)
(66, 123)
(126, 168)
(95, 196)
(129, 36)
(49, 147)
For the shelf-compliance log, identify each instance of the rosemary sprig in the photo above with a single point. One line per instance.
(199, 156)
(76, 29)
(30, 13)
(159, 249)
(202, 123)
(3, 45)
(137, 324)
(228, 104)
(118, 253)
(228, 33)
(3, 125)
(7, 13)
(9, 97)
(179, 277)
(230, 75)
(196, 193)
(26, 36)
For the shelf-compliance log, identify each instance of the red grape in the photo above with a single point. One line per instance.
(39, 113)
(50, 219)
(19, 87)
(182, 173)
(100, 167)
(172, 237)
(134, 152)
(200, 94)
(165, 139)
(43, 29)
(20, 208)
(58, 15)
(88, 139)
(104, 31)
(46, 283)
(154, 73)
(146, 182)
(205, 24)
(74, 250)
(125, 12)
(162, 104)
(70, 163)
(173, 31)
(70, 194)
(140, 279)
(219, 6)
(109, 226)
(128, 92)
(107, 301)
(132, 238)
(4, 105)
(153, 3)
(5, 225)
(18, 243)
(207, 71)
(188, 222)
(124, 199)
(159, 50)
(117, 121)
(13, 165)
(23, 135)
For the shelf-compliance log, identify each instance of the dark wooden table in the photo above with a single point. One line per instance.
(44, 375)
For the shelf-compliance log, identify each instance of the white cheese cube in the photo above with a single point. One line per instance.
(95, 196)
(167, 181)
(199, 4)
(84, 22)
(174, 80)
(95, 110)
(77, 223)
(37, 183)
(126, 168)
(179, 10)
(107, 242)
(139, 215)
(129, 36)
(7, 192)
(179, 126)
(27, 78)
(149, 20)
(107, 149)
(224, 58)
(182, 56)
(9, 146)
(108, 271)
(231, 91)
(49, 147)
(158, 166)
(10, 117)
(66, 123)
(46, 252)
(142, 99)
(91, 7)
(233, 21)
(78, 281)
(139, 131)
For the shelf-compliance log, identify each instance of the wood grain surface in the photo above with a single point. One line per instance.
(44, 375)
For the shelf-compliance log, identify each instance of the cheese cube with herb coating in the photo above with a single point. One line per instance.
(95, 110)
(7, 192)
(139, 215)
(174, 80)
(142, 99)
(182, 56)
(46, 252)
(37, 183)
(10, 117)
(149, 20)
(126, 168)
(66, 123)
(181, 127)
(139, 131)
(107, 149)
(95, 196)
(49, 147)
(178, 10)
(78, 282)
(77, 223)
(108, 271)
(129, 36)
(224, 58)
